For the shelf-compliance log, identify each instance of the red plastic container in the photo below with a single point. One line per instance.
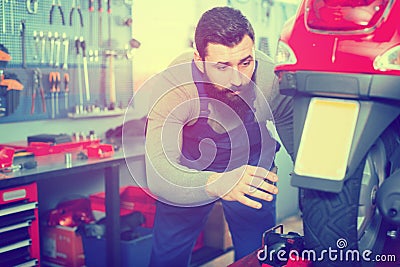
(6, 156)
(132, 198)
(100, 151)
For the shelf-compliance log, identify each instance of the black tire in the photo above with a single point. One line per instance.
(330, 217)
(327, 217)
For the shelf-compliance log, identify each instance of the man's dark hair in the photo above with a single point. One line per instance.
(221, 25)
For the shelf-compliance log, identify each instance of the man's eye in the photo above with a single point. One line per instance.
(246, 63)
(222, 67)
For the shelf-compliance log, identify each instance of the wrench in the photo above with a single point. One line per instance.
(91, 55)
(66, 46)
(23, 43)
(77, 47)
(58, 47)
(36, 39)
(41, 35)
(85, 68)
(51, 39)
(96, 55)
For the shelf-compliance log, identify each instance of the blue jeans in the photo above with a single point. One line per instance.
(176, 230)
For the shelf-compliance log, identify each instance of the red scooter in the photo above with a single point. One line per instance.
(340, 60)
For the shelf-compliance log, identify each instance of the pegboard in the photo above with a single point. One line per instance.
(36, 45)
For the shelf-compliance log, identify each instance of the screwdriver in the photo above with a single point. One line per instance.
(91, 10)
(66, 89)
(26, 165)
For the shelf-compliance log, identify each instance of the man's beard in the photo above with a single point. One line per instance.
(226, 96)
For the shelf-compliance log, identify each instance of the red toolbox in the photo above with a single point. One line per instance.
(19, 230)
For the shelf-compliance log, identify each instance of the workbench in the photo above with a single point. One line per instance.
(52, 167)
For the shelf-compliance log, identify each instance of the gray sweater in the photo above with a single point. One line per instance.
(175, 103)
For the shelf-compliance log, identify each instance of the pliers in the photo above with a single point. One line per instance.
(59, 8)
(76, 6)
(37, 87)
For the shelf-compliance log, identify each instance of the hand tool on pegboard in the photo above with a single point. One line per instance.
(58, 82)
(52, 94)
(91, 10)
(32, 6)
(59, 9)
(77, 6)
(57, 44)
(22, 31)
(66, 50)
(91, 55)
(96, 55)
(78, 57)
(103, 74)
(11, 87)
(51, 40)
(85, 68)
(66, 90)
(12, 15)
(100, 26)
(43, 47)
(54, 79)
(113, 97)
(37, 88)
(36, 38)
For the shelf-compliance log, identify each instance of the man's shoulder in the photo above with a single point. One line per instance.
(184, 57)
(174, 86)
(263, 59)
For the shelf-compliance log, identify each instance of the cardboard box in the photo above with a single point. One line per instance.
(62, 246)
(216, 230)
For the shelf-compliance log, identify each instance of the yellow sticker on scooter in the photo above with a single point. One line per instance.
(326, 139)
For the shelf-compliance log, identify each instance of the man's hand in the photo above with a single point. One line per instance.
(246, 180)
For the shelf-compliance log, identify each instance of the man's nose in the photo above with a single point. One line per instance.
(236, 78)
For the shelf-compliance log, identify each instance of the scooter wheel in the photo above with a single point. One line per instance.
(339, 227)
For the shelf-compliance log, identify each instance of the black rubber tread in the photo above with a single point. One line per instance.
(328, 217)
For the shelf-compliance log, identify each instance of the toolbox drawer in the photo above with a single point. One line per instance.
(19, 234)
(17, 257)
(16, 214)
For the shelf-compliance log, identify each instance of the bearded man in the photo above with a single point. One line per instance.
(207, 140)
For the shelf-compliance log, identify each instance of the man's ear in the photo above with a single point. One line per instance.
(198, 61)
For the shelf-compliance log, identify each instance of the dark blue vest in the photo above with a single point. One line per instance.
(204, 149)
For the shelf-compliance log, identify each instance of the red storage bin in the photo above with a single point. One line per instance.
(100, 151)
(132, 198)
